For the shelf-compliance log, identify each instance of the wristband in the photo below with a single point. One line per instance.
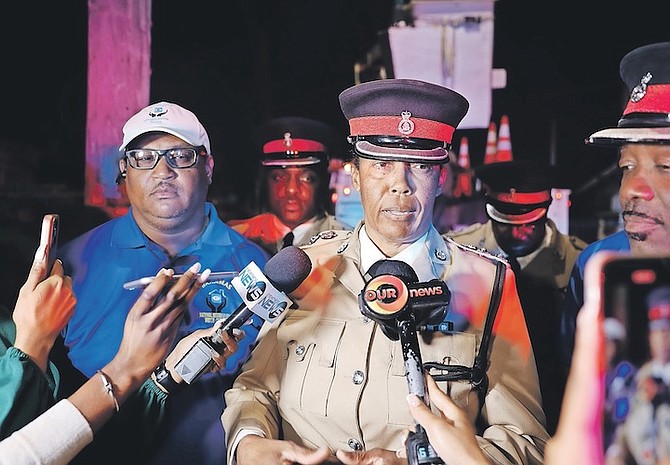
(163, 377)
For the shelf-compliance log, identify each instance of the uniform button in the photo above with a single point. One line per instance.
(366, 320)
(355, 444)
(300, 350)
(358, 377)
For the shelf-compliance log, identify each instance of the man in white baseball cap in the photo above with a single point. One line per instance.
(166, 165)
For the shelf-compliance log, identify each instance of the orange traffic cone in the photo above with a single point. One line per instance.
(463, 185)
(504, 141)
(491, 148)
(464, 154)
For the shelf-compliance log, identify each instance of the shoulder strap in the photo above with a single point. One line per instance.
(479, 378)
(477, 374)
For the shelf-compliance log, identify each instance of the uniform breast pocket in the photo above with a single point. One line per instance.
(439, 348)
(310, 366)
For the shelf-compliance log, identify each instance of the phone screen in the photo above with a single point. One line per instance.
(637, 332)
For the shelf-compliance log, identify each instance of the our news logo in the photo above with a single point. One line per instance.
(388, 294)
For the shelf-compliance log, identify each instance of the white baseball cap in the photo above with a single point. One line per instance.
(166, 117)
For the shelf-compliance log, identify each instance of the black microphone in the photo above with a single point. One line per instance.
(391, 298)
(262, 294)
(394, 292)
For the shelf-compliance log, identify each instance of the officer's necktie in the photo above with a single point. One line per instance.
(514, 263)
(288, 239)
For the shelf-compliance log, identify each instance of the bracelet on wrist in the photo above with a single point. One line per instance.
(109, 388)
(163, 377)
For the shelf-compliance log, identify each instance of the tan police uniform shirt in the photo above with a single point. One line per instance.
(328, 376)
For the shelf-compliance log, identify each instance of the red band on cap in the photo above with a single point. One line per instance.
(523, 198)
(659, 312)
(655, 100)
(391, 126)
(295, 145)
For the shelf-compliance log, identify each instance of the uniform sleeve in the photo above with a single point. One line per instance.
(251, 403)
(25, 392)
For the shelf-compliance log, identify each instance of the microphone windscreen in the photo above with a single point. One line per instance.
(396, 268)
(288, 268)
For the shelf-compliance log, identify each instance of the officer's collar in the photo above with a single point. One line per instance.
(427, 255)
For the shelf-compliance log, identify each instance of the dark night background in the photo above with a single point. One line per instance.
(239, 62)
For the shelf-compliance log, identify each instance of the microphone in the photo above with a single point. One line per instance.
(262, 294)
(395, 293)
(392, 298)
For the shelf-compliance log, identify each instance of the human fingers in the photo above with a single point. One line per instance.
(253, 450)
(375, 456)
(38, 269)
(578, 437)
(177, 296)
(193, 285)
(296, 454)
(443, 402)
(186, 282)
(150, 293)
(230, 341)
(40, 314)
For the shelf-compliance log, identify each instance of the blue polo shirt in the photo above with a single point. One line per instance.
(574, 298)
(101, 260)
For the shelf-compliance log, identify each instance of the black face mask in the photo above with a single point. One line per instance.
(520, 240)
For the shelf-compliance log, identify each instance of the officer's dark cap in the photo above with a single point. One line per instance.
(402, 119)
(646, 118)
(294, 141)
(517, 192)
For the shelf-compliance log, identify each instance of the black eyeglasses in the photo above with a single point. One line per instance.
(147, 159)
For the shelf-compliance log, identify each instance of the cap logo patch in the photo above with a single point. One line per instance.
(288, 142)
(640, 90)
(158, 111)
(406, 125)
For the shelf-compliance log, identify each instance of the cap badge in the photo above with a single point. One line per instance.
(288, 142)
(158, 111)
(640, 90)
(406, 125)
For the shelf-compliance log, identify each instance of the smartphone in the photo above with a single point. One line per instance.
(632, 288)
(49, 238)
(636, 307)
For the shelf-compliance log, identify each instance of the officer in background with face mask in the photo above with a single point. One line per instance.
(518, 195)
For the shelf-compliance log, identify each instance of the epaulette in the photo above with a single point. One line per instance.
(477, 250)
(578, 243)
(330, 235)
(464, 230)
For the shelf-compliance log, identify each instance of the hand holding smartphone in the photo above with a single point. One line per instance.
(49, 239)
(636, 305)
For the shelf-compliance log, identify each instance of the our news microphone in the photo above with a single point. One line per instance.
(262, 294)
(390, 298)
(394, 293)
